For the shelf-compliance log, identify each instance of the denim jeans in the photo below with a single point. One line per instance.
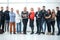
(19, 27)
(43, 26)
(6, 25)
(58, 25)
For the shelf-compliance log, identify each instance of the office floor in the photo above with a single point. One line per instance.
(28, 36)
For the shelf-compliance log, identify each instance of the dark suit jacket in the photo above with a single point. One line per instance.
(58, 15)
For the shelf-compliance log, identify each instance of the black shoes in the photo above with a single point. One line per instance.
(14, 33)
(58, 34)
(36, 33)
(52, 34)
(32, 33)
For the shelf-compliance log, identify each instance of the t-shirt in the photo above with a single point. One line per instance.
(49, 19)
(24, 15)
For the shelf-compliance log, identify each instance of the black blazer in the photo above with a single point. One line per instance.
(58, 15)
(39, 15)
(2, 15)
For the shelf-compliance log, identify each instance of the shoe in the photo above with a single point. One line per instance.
(10, 32)
(39, 33)
(36, 33)
(49, 33)
(24, 33)
(52, 34)
(58, 34)
(32, 33)
(43, 32)
(14, 33)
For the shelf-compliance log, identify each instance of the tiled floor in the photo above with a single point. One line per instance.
(7, 36)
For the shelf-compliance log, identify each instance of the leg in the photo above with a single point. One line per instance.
(53, 24)
(49, 27)
(17, 27)
(32, 26)
(14, 27)
(25, 26)
(20, 27)
(37, 25)
(3, 25)
(10, 27)
(58, 26)
(44, 27)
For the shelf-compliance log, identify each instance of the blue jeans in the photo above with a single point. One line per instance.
(58, 25)
(6, 25)
(19, 27)
(43, 26)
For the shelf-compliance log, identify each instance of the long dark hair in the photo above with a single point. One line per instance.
(49, 11)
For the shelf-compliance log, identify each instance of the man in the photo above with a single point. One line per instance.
(43, 12)
(12, 21)
(24, 15)
(2, 19)
(7, 19)
(58, 20)
(38, 19)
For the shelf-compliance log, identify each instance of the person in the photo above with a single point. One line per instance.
(31, 17)
(7, 18)
(48, 21)
(38, 20)
(12, 21)
(24, 15)
(18, 21)
(58, 20)
(2, 19)
(53, 21)
(43, 21)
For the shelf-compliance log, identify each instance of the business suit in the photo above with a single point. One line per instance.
(58, 21)
(7, 18)
(2, 19)
(43, 21)
(38, 21)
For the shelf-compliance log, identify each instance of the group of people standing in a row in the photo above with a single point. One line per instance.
(43, 17)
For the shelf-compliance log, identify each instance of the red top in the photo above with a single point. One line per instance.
(31, 15)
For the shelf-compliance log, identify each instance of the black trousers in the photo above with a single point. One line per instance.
(37, 25)
(58, 26)
(53, 24)
(32, 25)
(24, 25)
(2, 22)
(48, 26)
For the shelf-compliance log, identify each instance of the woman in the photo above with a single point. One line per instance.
(48, 21)
(53, 21)
(24, 15)
(18, 21)
(31, 17)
